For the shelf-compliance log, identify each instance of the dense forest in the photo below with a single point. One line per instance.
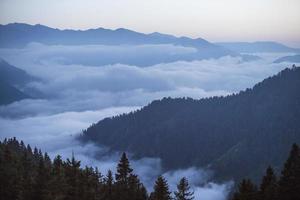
(286, 187)
(218, 132)
(29, 174)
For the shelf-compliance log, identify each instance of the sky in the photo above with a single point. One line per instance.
(214, 20)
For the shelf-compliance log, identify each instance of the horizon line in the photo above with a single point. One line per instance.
(154, 32)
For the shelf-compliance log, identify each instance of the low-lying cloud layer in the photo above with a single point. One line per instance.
(79, 87)
(97, 55)
(79, 91)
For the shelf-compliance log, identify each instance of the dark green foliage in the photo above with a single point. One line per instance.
(269, 187)
(287, 188)
(161, 190)
(289, 183)
(261, 123)
(57, 183)
(108, 189)
(136, 190)
(30, 175)
(183, 190)
(246, 191)
(128, 186)
(123, 171)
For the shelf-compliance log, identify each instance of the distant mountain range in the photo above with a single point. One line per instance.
(237, 135)
(18, 35)
(289, 59)
(257, 47)
(12, 83)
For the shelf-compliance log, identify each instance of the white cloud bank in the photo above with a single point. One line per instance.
(78, 87)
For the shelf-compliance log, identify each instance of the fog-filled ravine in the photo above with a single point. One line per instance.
(66, 87)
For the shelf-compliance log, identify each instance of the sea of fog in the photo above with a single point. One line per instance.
(77, 94)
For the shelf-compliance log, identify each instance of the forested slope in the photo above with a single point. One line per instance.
(239, 135)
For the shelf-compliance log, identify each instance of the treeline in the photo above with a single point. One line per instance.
(287, 187)
(29, 174)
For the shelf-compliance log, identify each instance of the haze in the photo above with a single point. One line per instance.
(214, 20)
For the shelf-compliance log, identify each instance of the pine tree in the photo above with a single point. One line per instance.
(289, 183)
(246, 191)
(143, 194)
(122, 178)
(268, 187)
(136, 188)
(161, 190)
(58, 184)
(8, 175)
(72, 170)
(183, 190)
(41, 183)
(28, 173)
(123, 170)
(108, 188)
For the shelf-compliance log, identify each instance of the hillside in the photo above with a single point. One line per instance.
(9, 94)
(13, 75)
(257, 47)
(13, 83)
(289, 59)
(239, 135)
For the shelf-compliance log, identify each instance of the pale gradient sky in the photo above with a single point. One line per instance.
(214, 20)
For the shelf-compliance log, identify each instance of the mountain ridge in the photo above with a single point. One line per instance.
(13, 82)
(289, 59)
(257, 47)
(24, 26)
(18, 35)
(186, 132)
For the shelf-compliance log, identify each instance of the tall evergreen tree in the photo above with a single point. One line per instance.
(9, 175)
(289, 183)
(269, 186)
(28, 173)
(108, 189)
(183, 190)
(124, 171)
(143, 194)
(58, 184)
(41, 184)
(246, 191)
(161, 190)
(72, 175)
(136, 188)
